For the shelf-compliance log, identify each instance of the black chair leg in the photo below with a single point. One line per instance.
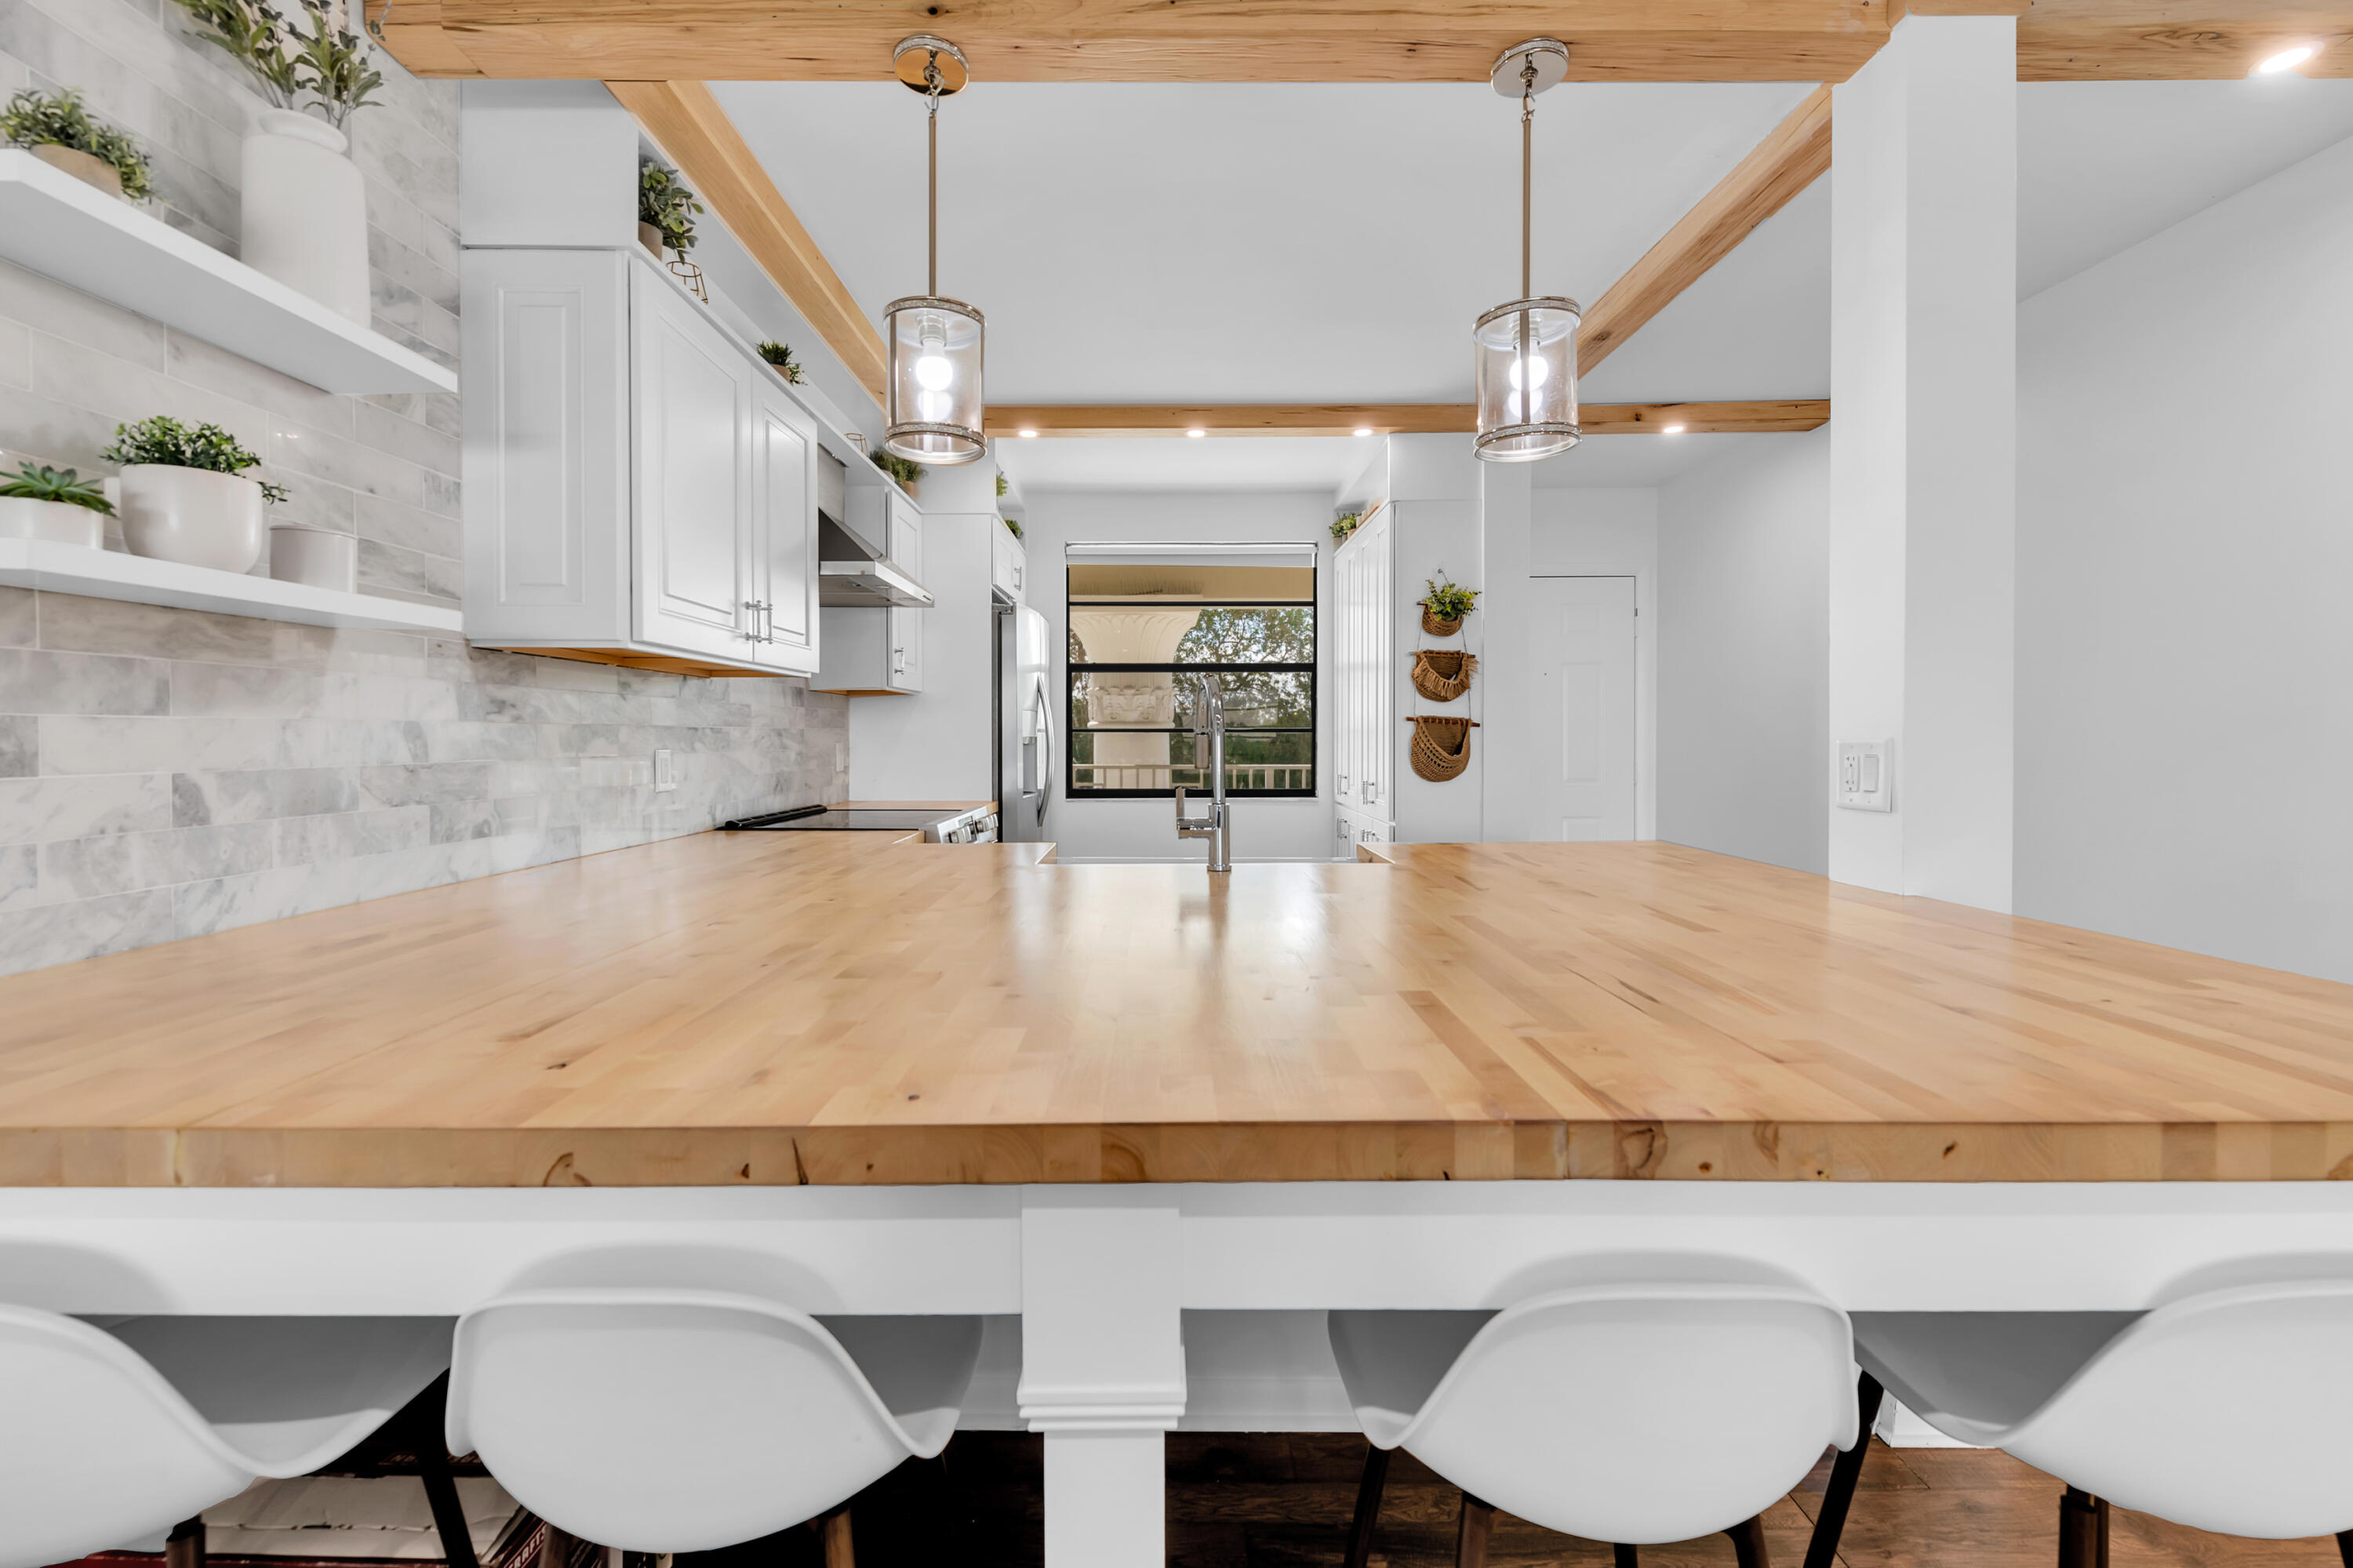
(1471, 1533)
(1624, 1556)
(428, 1413)
(184, 1547)
(1821, 1550)
(2082, 1529)
(1368, 1506)
(2345, 1546)
(1749, 1544)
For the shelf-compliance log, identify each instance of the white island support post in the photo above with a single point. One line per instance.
(1103, 1369)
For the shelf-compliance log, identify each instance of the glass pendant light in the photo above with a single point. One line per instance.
(1524, 353)
(934, 344)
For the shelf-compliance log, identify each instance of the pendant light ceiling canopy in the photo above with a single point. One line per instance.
(935, 343)
(1524, 352)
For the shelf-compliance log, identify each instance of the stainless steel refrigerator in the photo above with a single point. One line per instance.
(1029, 724)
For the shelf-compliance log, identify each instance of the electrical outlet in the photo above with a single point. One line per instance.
(665, 770)
(1866, 779)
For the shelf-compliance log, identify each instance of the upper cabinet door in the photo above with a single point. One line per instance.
(693, 429)
(906, 626)
(784, 497)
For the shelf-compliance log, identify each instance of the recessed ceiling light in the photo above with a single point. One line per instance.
(1364, 429)
(1197, 435)
(1027, 435)
(1670, 431)
(2286, 59)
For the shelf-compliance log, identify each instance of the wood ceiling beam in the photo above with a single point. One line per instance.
(1775, 170)
(1137, 40)
(2178, 40)
(690, 125)
(1136, 419)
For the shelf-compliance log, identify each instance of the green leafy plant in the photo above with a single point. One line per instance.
(322, 59)
(1003, 484)
(1450, 601)
(1347, 524)
(161, 438)
(58, 484)
(780, 354)
(1013, 527)
(905, 470)
(59, 120)
(664, 201)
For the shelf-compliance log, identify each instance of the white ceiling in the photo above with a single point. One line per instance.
(1241, 243)
(1271, 243)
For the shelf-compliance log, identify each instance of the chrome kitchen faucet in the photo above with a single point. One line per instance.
(1210, 735)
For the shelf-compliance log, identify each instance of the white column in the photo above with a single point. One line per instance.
(1103, 1369)
(1924, 284)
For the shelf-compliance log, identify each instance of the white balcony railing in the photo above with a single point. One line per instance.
(1088, 775)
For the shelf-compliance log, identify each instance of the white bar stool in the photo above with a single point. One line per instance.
(662, 1420)
(2221, 1409)
(1575, 1409)
(116, 1435)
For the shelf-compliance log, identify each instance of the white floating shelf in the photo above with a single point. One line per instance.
(53, 224)
(111, 574)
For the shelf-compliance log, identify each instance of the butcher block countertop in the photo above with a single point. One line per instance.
(785, 1008)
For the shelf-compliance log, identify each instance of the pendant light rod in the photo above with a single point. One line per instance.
(1528, 167)
(931, 83)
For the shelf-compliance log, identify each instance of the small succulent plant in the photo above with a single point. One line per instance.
(780, 354)
(62, 486)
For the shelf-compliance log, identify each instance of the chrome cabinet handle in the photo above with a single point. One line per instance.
(1372, 791)
(755, 608)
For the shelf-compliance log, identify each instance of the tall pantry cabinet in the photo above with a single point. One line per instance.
(1378, 576)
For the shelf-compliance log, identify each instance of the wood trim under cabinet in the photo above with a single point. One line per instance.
(634, 659)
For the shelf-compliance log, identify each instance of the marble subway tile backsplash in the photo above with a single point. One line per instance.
(165, 773)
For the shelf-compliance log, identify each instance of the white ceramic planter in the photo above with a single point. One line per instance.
(194, 517)
(305, 220)
(23, 517)
(318, 556)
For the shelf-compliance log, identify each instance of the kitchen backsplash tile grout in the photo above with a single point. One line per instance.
(166, 773)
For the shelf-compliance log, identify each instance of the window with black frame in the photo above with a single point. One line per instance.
(1142, 636)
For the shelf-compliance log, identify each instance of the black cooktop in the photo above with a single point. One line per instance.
(833, 820)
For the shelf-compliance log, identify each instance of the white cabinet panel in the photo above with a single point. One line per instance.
(691, 394)
(783, 495)
(906, 668)
(1008, 564)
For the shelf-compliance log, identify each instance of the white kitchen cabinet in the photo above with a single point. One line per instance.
(636, 490)
(1378, 575)
(1008, 564)
(906, 625)
(873, 653)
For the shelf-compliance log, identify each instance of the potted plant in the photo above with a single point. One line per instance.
(186, 497)
(780, 354)
(1345, 524)
(1445, 605)
(305, 205)
(907, 472)
(54, 503)
(1012, 526)
(666, 210)
(55, 127)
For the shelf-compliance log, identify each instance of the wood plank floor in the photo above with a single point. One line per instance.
(1284, 1501)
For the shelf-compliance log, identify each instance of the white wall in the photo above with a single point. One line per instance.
(1612, 533)
(2185, 648)
(1145, 829)
(1744, 654)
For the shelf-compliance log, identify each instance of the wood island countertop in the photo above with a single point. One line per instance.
(794, 1008)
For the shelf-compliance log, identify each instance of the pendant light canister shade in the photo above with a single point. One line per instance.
(1526, 365)
(935, 343)
(1524, 354)
(935, 405)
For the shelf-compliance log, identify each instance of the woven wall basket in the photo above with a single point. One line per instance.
(1437, 627)
(1441, 747)
(1442, 674)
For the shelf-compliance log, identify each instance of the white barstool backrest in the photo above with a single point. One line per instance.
(1625, 1411)
(111, 1436)
(2223, 1411)
(683, 1421)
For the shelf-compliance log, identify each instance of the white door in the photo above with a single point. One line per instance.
(1380, 669)
(1585, 710)
(693, 416)
(906, 669)
(783, 496)
(1343, 662)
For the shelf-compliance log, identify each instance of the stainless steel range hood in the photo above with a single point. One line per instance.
(868, 585)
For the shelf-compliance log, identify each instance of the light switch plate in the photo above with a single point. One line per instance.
(1866, 780)
(665, 770)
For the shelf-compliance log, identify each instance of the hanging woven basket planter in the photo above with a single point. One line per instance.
(1441, 747)
(1442, 674)
(1438, 626)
